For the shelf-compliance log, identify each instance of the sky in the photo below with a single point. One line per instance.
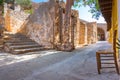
(40, 1)
(83, 13)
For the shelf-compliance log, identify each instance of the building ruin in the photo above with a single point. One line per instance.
(46, 26)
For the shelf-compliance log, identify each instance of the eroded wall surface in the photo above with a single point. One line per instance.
(92, 32)
(103, 27)
(82, 33)
(40, 25)
(14, 19)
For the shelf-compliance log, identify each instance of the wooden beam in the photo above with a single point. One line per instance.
(107, 15)
(106, 7)
(106, 11)
(105, 3)
(102, 6)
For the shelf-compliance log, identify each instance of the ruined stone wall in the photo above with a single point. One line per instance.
(95, 32)
(92, 32)
(82, 33)
(102, 29)
(14, 19)
(40, 26)
(41, 23)
(77, 32)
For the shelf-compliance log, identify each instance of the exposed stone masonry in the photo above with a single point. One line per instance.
(46, 25)
(92, 32)
(14, 19)
(40, 24)
(88, 32)
(102, 31)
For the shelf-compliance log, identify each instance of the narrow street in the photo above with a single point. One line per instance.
(55, 65)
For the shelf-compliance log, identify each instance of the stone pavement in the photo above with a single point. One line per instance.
(55, 65)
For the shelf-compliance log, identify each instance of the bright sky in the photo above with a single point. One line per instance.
(87, 16)
(40, 0)
(83, 13)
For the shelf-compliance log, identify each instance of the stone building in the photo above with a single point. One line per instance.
(92, 32)
(83, 32)
(88, 32)
(102, 31)
(45, 25)
(14, 19)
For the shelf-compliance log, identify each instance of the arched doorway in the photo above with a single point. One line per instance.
(101, 34)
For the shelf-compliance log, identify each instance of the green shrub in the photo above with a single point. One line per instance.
(25, 4)
(29, 11)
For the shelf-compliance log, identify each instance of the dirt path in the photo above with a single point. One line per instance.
(55, 65)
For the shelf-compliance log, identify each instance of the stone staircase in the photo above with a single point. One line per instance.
(18, 44)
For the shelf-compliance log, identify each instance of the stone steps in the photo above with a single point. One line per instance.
(21, 43)
(18, 44)
(24, 46)
(21, 51)
(17, 41)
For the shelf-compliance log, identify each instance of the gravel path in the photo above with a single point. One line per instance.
(55, 65)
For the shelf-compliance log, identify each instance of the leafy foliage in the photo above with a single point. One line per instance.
(29, 11)
(93, 4)
(25, 4)
(9, 1)
(1, 7)
(1, 2)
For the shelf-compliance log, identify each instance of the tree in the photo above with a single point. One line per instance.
(93, 4)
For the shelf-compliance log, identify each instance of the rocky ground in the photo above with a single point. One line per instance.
(55, 65)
